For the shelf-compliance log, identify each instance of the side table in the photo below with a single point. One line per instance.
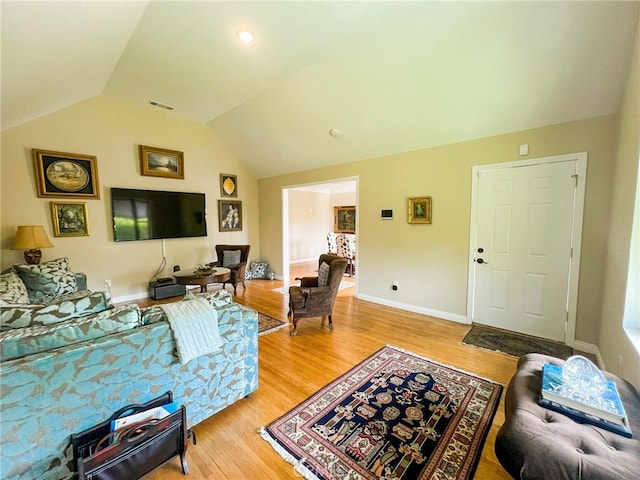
(191, 277)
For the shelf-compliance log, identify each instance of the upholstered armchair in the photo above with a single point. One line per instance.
(233, 257)
(316, 296)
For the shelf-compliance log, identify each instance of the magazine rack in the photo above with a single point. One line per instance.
(101, 454)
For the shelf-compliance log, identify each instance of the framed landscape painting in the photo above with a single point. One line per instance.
(60, 174)
(69, 219)
(419, 210)
(160, 162)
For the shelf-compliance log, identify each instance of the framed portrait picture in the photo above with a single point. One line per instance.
(70, 219)
(230, 215)
(228, 185)
(419, 210)
(160, 162)
(60, 174)
(344, 219)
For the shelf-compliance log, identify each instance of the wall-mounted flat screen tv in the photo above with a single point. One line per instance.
(155, 214)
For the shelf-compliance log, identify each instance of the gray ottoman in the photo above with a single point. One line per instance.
(536, 443)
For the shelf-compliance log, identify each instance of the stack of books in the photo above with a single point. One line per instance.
(604, 410)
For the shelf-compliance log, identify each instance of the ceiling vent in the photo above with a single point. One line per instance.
(161, 105)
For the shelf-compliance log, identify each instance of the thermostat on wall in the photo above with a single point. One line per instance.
(386, 214)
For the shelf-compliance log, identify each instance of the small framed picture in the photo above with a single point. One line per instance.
(419, 210)
(228, 185)
(60, 174)
(344, 219)
(230, 215)
(160, 162)
(70, 219)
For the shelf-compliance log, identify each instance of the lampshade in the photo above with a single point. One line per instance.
(30, 237)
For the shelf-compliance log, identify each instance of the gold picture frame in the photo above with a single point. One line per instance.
(161, 162)
(228, 185)
(344, 219)
(70, 219)
(419, 210)
(61, 174)
(230, 215)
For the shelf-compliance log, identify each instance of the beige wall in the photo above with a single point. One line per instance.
(112, 131)
(430, 262)
(309, 222)
(612, 340)
(310, 219)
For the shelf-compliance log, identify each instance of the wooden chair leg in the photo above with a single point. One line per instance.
(294, 332)
(330, 322)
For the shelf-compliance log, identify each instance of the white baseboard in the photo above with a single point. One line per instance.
(454, 317)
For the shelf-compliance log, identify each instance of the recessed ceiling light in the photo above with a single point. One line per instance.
(245, 36)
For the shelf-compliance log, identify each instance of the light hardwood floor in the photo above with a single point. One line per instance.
(293, 368)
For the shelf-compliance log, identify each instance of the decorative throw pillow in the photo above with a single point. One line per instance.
(257, 270)
(12, 288)
(48, 280)
(323, 274)
(230, 258)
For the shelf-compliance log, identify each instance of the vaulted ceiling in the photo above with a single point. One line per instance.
(388, 76)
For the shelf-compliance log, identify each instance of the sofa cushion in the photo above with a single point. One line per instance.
(20, 342)
(75, 305)
(12, 289)
(231, 258)
(48, 280)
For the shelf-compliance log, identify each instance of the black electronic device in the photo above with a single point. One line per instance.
(165, 280)
(158, 291)
(154, 214)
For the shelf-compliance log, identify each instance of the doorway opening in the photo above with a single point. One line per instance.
(308, 217)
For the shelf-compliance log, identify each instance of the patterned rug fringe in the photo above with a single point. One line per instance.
(271, 330)
(298, 465)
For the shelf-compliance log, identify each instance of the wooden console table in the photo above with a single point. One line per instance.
(191, 277)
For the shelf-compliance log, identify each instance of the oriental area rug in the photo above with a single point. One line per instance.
(395, 416)
(514, 344)
(268, 324)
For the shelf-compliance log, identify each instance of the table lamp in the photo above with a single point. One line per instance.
(31, 238)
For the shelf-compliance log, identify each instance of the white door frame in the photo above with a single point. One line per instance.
(576, 232)
(285, 220)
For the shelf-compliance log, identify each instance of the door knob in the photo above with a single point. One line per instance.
(480, 260)
(480, 250)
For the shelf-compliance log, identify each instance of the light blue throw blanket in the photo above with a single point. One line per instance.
(194, 323)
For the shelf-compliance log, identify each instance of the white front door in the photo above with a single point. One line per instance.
(522, 249)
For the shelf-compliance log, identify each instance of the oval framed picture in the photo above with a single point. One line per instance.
(60, 174)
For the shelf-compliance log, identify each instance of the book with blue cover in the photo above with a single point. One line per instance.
(581, 417)
(607, 405)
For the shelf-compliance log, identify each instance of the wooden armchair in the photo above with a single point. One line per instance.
(231, 260)
(312, 300)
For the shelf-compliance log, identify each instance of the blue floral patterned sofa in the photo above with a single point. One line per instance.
(60, 375)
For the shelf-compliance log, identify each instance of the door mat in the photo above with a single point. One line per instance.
(514, 344)
(396, 416)
(268, 324)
